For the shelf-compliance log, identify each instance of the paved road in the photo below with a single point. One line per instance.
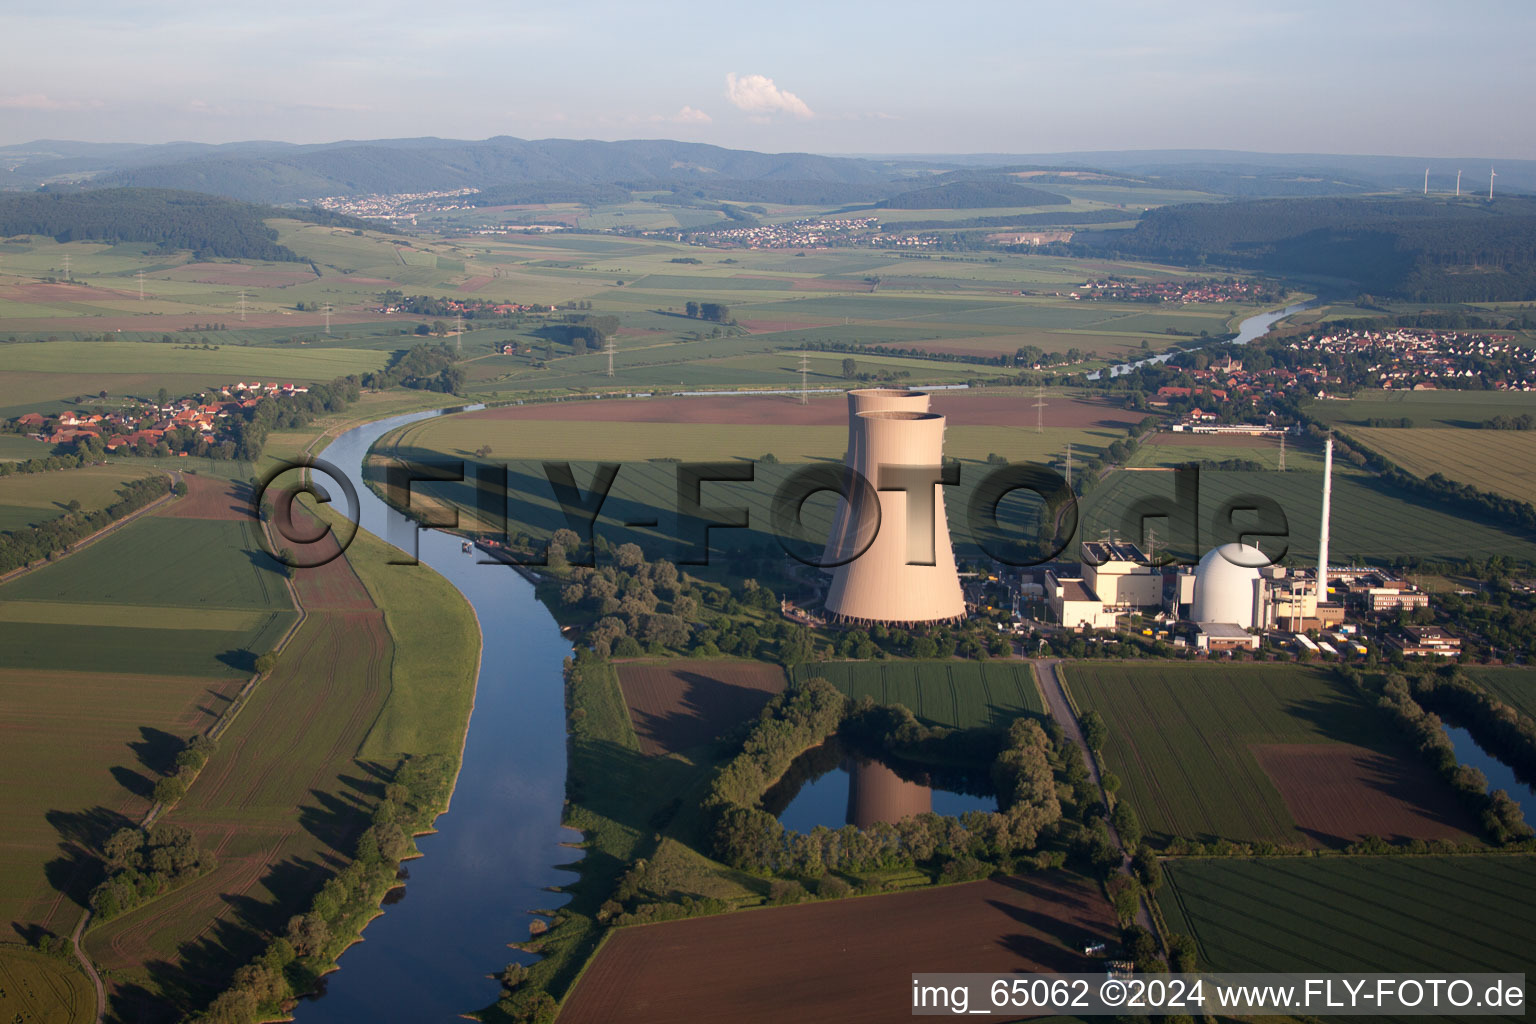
(1046, 669)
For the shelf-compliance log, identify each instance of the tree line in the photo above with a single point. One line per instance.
(293, 963)
(24, 546)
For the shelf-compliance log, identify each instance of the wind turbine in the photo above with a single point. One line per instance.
(1426, 181)
(1458, 183)
(1491, 176)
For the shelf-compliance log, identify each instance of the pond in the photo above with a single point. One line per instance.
(1500, 775)
(834, 786)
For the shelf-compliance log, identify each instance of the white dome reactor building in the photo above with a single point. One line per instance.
(1229, 587)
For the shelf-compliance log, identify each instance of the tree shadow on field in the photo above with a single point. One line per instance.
(205, 966)
(337, 822)
(137, 783)
(241, 661)
(156, 749)
(78, 869)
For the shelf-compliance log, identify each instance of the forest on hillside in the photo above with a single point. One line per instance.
(1425, 250)
(208, 225)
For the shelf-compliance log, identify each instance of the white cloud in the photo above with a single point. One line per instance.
(42, 101)
(756, 94)
(691, 115)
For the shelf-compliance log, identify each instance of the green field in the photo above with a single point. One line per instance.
(1389, 914)
(1372, 520)
(38, 989)
(134, 602)
(1183, 738)
(1514, 686)
(954, 694)
(31, 499)
(1425, 408)
(222, 366)
(1490, 460)
(16, 448)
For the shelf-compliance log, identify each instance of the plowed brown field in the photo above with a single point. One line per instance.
(1338, 791)
(210, 497)
(847, 960)
(683, 704)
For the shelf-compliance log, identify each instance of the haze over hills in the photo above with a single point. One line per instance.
(277, 172)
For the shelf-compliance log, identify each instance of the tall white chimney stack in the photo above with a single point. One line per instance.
(1322, 539)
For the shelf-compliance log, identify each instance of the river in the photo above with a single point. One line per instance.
(429, 956)
(1255, 326)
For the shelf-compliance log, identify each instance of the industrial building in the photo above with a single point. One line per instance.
(906, 575)
(1121, 575)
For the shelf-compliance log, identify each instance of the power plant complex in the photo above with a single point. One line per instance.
(891, 561)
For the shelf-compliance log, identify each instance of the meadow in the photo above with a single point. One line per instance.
(1281, 754)
(955, 695)
(1356, 913)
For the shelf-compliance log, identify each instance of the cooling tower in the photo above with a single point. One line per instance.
(907, 574)
(876, 793)
(846, 538)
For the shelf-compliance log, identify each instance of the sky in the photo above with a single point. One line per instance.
(1401, 78)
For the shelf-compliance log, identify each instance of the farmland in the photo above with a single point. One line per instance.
(1261, 754)
(957, 695)
(1514, 686)
(676, 707)
(1426, 409)
(1490, 460)
(40, 989)
(1357, 913)
(853, 958)
(1372, 519)
(371, 681)
(30, 499)
(90, 744)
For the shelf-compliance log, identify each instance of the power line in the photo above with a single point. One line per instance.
(1069, 465)
(804, 368)
(141, 286)
(66, 267)
(1040, 411)
(327, 318)
(242, 302)
(1282, 453)
(610, 356)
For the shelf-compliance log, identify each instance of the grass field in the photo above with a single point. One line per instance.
(31, 499)
(1372, 521)
(38, 989)
(1283, 754)
(1490, 460)
(1394, 914)
(1514, 686)
(955, 694)
(16, 448)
